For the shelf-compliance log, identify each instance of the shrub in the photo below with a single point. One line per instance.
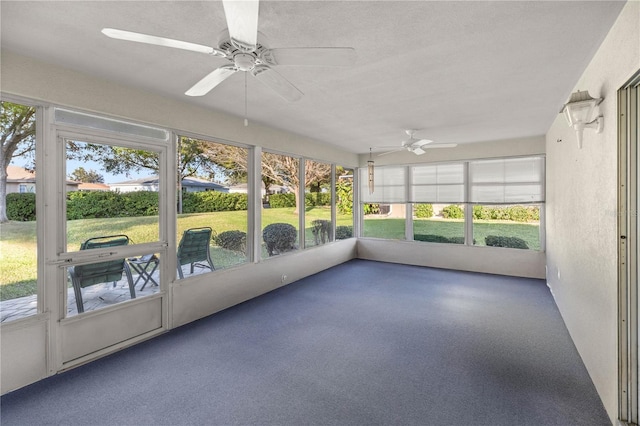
(481, 212)
(314, 199)
(502, 241)
(452, 212)
(278, 201)
(279, 238)
(371, 208)
(344, 232)
(344, 196)
(423, 211)
(232, 240)
(21, 207)
(213, 201)
(102, 204)
(431, 238)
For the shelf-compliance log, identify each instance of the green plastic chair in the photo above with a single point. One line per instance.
(103, 272)
(193, 249)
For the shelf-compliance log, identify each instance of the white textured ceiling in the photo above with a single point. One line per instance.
(462, 71)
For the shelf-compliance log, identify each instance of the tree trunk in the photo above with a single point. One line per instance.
(295, 192)
(3, 195)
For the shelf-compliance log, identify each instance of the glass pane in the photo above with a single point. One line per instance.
(111, 190)
(384, 221)
(99, 285)
(389, 185)
(512, 226)
(213, 194)
(344, 203)
(18, 239)
(438, 223)
(281, 205)
(317, 192)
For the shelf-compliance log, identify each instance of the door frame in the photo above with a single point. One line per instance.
(628, 227)
(125, 323)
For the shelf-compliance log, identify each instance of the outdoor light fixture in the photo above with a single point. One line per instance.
(579, 111)
(370, 170)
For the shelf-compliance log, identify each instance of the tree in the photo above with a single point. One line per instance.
(276, 168)
(18, 139)
(87, 176)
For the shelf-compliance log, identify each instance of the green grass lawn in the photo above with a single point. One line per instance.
(18, 239)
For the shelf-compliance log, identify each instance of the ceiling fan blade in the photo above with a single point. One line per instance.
(418, 151)
(311, 56)
(161, 41)
(242, 20)
(391, 152)
(277, 82)
(441, 145)
(212, 79)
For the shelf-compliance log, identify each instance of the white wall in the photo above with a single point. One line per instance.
(581, 211)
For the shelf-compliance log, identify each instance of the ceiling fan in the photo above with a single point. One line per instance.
(239, 45)
(417, 146)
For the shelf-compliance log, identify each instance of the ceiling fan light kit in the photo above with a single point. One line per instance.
(239, 45)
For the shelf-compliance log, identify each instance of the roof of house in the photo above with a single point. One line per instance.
(186, 182)
(20, 174)
(87, 186)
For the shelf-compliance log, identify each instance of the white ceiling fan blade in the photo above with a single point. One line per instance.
(392, 151)
(418, 151)
(441, 145)
(277, 82)
(160, 41)
(312, 56)
(242, 20)
(212, 79)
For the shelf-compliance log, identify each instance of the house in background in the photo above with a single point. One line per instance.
(87, 186)
(23, 181)
(151, 183)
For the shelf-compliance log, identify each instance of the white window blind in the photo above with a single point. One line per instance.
(507, 181)
(390, 185)
(439, 183)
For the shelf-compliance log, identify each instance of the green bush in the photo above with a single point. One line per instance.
(344, 232)
(423, 211)
(279, 238)
(513, 213)
(344, 196)
(371, 208)
(213, 201)
(21, 207)
(278, 201)
(103, 204)
(314, 199)
(502, 241)
(431, 238)
(232, 240)
(452, 212)
(140, 203)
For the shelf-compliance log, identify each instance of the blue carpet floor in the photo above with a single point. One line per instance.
(364, 343)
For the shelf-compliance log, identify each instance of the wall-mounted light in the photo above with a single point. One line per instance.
(370, 171)
(579, 111)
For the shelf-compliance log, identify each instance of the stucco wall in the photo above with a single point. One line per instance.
(581, 211)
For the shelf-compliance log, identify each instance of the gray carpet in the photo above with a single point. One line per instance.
(364, 343)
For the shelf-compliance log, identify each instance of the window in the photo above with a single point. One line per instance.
(434, 188)
(384, 210)
(19, 266)
(317, 192)
(281, 204)
(344, 203)
(506, 197)
(213, 193)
